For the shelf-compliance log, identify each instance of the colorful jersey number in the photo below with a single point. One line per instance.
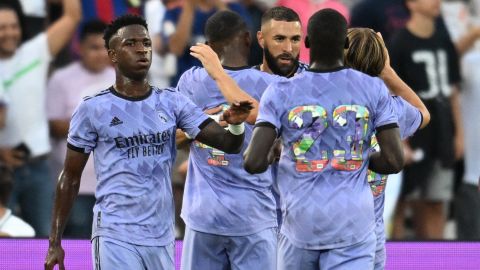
(217, 157)
(377, 181)
(312, 132)
(356, 140)
(342, 159)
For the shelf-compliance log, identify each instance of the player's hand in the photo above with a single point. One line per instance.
(238, 112)
(387, 67)
(217, 110)
(55, 255)
(209, 59)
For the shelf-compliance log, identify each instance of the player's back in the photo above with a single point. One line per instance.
(220, 196)
(326, 121)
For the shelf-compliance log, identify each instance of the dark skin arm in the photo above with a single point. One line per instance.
(390, 159)
(256, 157)
(67, 191)
(217, 137)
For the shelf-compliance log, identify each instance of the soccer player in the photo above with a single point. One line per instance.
(230, 214)
(130, 127)
(280, 37)
(326, 117)
(367, 53)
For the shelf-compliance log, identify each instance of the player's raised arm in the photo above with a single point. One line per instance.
(231, 140)
(229, 88)
(67, 191)
(61, 31)
(256, 156)
(400, 88)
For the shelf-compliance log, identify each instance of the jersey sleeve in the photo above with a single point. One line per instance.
(409, 118)
(385, 116)
(189, 116)
(270, 109)
(82, 135)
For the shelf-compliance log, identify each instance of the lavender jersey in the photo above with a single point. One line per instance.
(220, 196)
(133, 143)
(326, 121)
(409, 120)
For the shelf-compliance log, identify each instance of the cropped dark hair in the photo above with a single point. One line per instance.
(280, 14)
(92, 27)
(224, 25)
(6, 184)
(327, 35)
(119, 22)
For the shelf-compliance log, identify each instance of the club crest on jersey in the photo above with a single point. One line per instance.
(163, 117)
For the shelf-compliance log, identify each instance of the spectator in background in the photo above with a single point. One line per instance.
(305, 9)
(163, 66)
(425, 58)
(465, 31)
(24, 142)
(183, 26)
(66, 88)
(10, 225)
(386, 16)
(108, 10)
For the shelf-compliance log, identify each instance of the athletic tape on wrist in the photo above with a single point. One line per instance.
(236, 129)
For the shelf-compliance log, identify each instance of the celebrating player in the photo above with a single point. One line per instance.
(230, 214)
(326, 117)
(280, 37)
(131, 127)
(367, 53)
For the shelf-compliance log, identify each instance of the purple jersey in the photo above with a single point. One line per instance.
(326, 121)
(133, 143)
(409, 120)
(220, 196)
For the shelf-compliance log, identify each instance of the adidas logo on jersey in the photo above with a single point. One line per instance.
(115, 121)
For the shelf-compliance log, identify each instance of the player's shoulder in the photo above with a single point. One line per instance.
(194, 73)
(98, 96)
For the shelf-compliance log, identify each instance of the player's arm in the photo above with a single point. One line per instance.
(62, 30)
(256, 156)
(67, 190)
(400, 88)
(390, 158)
(229, 88)
(231, 140)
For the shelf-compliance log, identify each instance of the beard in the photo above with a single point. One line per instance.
(276, 68)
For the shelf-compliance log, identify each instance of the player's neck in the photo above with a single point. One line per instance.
(421, 26)
(234, 60)
(131, 88)
(320, 66)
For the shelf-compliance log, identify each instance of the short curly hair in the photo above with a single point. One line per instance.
(366, 52)
(119, 22)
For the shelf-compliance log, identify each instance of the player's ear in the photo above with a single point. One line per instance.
(307, 42)
(207, 43)
(347, 43)
(260, 39)
(112, 55)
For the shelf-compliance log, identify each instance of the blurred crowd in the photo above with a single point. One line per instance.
(52, 55)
